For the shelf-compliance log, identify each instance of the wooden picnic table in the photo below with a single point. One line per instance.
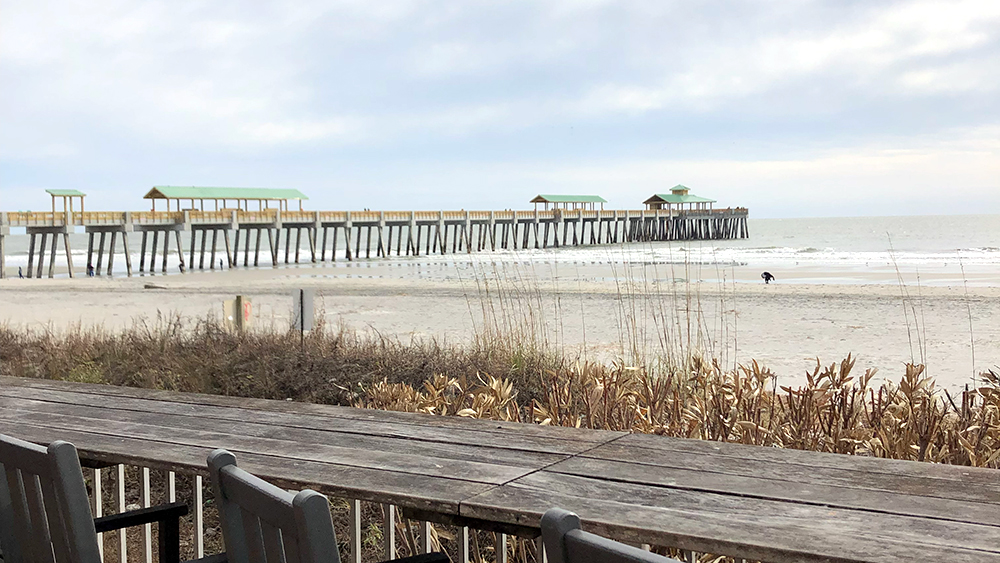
(752, 502)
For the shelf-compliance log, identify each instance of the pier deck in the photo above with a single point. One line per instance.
(355, 234)
(748, 502)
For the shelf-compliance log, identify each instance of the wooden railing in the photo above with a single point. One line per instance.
(92, 218)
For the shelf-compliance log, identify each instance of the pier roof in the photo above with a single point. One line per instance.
(66, 193)
(677, 198)
(549, 198)
(194, 192)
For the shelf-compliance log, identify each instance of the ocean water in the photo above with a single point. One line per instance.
(933, 250)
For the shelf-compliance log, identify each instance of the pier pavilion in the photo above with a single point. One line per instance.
(242, 197)
(680, 196)
(585, 202)
(67, 197)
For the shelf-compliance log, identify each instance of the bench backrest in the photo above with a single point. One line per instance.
(262, 523)
(565, 542)
(44, 509)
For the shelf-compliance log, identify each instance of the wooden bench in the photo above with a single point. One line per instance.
(749, 502)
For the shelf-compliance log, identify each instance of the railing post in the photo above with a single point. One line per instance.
(97, 508)
(147, 530)
(355, 529)
(120, 486)
(199, 518)
(389, 531)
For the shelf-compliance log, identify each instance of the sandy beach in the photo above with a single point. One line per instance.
(785, 326)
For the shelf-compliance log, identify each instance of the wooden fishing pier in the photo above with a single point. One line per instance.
(357, 234)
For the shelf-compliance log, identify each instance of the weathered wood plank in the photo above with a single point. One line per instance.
(754, 529)
(460, 430)
(412, 491)
(681, 448)
(440, 449)
(792, 488)
(347, 457)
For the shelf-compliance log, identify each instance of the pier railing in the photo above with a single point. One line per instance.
(267, 216)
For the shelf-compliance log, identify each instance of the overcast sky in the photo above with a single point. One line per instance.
(791, 108)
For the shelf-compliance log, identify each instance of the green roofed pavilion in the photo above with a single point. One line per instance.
(66, 193)
(67, 198)
(569, 201)
(679, 195)
(241, 196)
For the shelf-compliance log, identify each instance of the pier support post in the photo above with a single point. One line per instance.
(467, 227)
(442, 234)
(271, 247)
(31, 253)
(111, 252)
(230, 258)
(142, 251)
(493, 231)
(201, 257)
(52, 255)
(180, 249)
(256, 249)
(194, 235)
(382, 246)
(314, 234)
(69, 255)
(41, 254)
(348, 225)
(298, 242)
(215, 242)
(246, 248)
(536, 232)
(233, 257)
(322, 248)
(128, 257)
(3, 255)
(152, 252)
(410, 246)
(166, 251)
(100, 253)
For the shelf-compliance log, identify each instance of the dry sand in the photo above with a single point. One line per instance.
(784, 326)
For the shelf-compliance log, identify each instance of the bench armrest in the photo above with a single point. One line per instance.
(433, 557)
(168, 518)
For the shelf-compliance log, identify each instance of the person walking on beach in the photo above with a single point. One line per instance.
(20, 274)
(90, 270)
(767, 277)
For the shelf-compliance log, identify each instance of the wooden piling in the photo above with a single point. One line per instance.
(215, 242)
(298, 242)
(180, 250)
(128, 257)
(52, 255)
(111, 252)
(256, 248)
(230, 255)
(100, 253)
(31, 253)
(166, 250)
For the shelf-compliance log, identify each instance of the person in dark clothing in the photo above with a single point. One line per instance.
(20, 274)
(767, 277)
(90, 270)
